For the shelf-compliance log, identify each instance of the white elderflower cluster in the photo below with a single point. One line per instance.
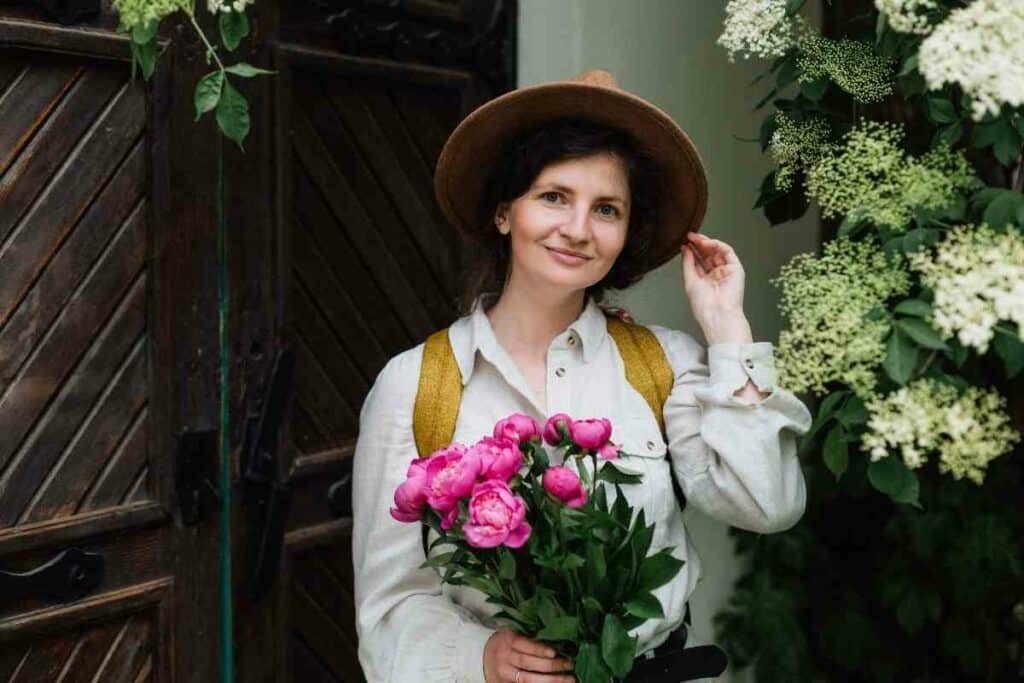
(141, 12)
(853, 65)
(796, 146)
(870, 175)
(967, 430)
(228, 5)
(827, 299)
(977, 275)
(759, 28)
(979, 47)
(907, 16)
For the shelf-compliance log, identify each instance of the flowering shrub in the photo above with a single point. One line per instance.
(906, 127)
(214, 91)
(541, 540)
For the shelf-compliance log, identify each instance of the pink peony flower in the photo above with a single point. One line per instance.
(565, 485)
(411, 495)
(500, 458)
(448, 519)
(517, 426)
(609, 451)
(551, 434)
(591, 434)
(451, 473)
(496, 516)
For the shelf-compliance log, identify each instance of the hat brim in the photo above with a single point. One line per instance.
(469, 155)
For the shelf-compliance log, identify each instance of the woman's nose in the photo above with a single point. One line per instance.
(577, 228)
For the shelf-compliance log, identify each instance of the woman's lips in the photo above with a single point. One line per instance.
(567, 259)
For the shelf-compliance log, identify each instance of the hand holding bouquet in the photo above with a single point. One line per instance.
(541, 540)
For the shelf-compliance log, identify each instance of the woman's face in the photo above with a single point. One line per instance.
(570, 225)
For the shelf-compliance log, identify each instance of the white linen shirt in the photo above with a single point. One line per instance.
(735, 460)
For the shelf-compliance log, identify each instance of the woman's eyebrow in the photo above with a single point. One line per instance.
(563, 188)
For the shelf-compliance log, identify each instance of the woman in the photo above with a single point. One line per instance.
(564, 190)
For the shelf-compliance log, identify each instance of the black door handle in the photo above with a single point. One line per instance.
(70, 575)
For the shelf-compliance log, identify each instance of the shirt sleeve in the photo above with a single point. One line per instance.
(408, 631)
(734, 457)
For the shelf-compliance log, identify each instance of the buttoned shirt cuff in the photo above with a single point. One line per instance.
(731, 364)
(472, 639)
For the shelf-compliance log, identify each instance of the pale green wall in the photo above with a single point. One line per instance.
(665, 51)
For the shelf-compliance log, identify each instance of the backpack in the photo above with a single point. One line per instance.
(439, 392)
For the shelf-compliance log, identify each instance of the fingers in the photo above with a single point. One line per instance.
(533, 677)
(715, 252)
(526, 646)
(540, 664)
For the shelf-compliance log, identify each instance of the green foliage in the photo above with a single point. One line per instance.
(893, 574)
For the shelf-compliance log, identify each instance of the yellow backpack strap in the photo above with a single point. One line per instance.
(647, 366)
(438, 395)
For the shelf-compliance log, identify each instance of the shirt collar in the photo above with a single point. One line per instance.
(473, 332)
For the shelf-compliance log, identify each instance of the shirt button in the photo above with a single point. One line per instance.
(572, 340)
(749, 363)
(560, 372)
(650, 445)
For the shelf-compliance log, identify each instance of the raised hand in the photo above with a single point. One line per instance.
(715, 294)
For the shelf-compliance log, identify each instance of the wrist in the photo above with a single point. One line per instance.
(726, 327)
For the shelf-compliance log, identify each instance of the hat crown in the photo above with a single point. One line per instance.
(598, 77)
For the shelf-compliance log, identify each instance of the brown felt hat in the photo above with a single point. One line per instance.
(471, 151)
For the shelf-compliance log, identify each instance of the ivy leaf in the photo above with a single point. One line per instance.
(836, 453)
(617, 647)
(890, 476)
(208, 91)
(246, 70)
(233, 114)
(921, 332)
(900, 357)
(234, 27)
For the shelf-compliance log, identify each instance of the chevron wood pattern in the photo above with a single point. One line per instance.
(73, 288)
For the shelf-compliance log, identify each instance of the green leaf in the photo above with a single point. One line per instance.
(507, 568)
(1007, 148)
(910, 64)
(948, 134)
(597, 567)
(793, 6)
(922, 333)
(441, 560)
(988, 134)
(234, 26)
(940, 110)
(646, 606)
(608, 472)
(853, 412)
(233, 114)
(851, 223)
(145, 55)
(914, 307)
(560, 628)
(617, 647)
(1003, 208)
(145, 32)
(890, 476)
(590, 667)
(246, 70)
(657, 570)
(919, 606)
(900, 357)
(917, 239)
(208, 91)
(836, 453)
(814, 90)
(1010, 349)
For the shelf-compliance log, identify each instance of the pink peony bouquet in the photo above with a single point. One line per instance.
(541, 540)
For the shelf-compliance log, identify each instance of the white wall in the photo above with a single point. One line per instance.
(665, 52)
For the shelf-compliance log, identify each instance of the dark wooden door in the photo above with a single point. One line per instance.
(109, 318)
(106, 359)
(365, 98)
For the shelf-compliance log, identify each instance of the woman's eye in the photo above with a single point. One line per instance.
(614, 210)
(554, 195)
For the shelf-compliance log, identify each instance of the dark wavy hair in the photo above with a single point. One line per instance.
(486, 254)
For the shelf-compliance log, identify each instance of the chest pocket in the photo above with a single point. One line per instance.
(644, 452)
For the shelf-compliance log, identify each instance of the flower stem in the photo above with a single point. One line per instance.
(202, 36)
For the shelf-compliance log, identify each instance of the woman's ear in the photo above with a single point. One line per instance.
(501, 218)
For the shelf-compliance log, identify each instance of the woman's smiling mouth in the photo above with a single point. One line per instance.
(569, 258)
